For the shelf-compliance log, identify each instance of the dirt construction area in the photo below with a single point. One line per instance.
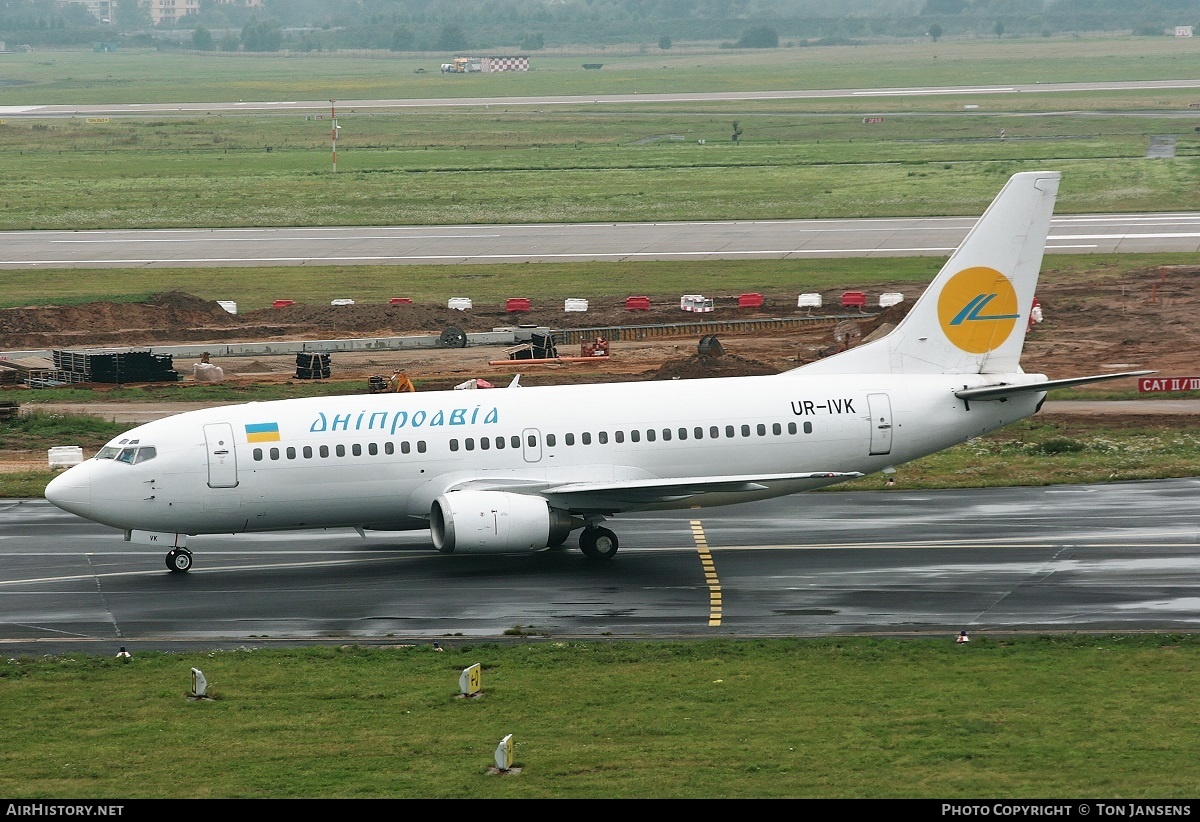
(1140, 319)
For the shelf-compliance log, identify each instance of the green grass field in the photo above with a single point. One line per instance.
(132, 76)
(1034, 717)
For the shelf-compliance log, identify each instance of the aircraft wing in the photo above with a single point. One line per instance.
(615, 495)
(673, 489)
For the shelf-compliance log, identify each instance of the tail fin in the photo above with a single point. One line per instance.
(973, 318)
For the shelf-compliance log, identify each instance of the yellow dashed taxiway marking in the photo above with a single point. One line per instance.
(710, 574)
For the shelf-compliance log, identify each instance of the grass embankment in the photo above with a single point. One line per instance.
(257, 287)
(1103, 716)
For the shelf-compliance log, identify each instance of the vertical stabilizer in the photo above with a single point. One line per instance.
(973, 318)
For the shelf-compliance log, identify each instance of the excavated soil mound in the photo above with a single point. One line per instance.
(699, 366)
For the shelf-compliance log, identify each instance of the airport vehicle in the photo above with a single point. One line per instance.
(518, 469)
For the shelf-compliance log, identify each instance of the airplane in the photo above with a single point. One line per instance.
(518, 469)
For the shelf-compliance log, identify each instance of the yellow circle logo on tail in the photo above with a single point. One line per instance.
(978, 309)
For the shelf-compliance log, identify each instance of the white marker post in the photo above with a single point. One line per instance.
(471, 680)
(504, 754)
(199, 685)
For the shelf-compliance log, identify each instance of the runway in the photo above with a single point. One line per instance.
(614, 242)
(292, 107)
(1112, 557)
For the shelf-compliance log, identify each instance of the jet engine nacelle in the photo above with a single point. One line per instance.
(495, 522)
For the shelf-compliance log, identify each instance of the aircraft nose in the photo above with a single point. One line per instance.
(72, 490)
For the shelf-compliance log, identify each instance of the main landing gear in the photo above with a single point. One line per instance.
(597, 543)
(179, 560)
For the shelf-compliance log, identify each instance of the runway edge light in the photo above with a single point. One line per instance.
(471, 680)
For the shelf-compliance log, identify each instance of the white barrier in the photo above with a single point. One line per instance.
(64, 456)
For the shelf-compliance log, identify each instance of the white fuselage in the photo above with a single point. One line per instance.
(379, 461)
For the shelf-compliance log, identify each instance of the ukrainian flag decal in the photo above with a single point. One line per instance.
(262, 432)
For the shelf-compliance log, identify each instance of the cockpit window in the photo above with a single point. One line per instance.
(132, 455)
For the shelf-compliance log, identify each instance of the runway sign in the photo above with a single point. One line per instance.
(1148, 385)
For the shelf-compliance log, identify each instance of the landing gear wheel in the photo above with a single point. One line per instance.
(598, 543)
(179, 560)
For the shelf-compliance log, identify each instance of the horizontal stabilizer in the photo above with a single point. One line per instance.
(1002, 391)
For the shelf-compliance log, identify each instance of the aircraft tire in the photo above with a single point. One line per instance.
(179, 560)
(598, 543)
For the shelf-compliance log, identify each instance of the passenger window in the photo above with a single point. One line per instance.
(372, 448)
(791, 428)
(291, 453)
(551, 439)
(776, 428)
(420, 446)
(729, 431)
(258, 455)
(762, 430)
(635, 435)
(274, 453)
(324, 451)
(485, 443)
(307, 452)
(649, 435)
(499, 443)
(683, 433)
(698, 433)
(389, 448)
(453, 445)
(340, 450)
(586, 437)
(666, 435)
(532, 439)
(356, 449)
(470, 442)
(808, 428)
(745, 430)
(569, 439)
(714, 432)
(619, 435)
(516, 441)
(603, 437)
